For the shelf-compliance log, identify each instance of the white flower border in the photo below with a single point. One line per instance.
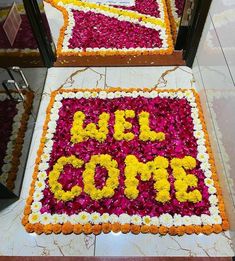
(174, 13)
(7, 161)
(71, 23)
(95, 218)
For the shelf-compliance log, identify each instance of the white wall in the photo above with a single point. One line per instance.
(214, 71)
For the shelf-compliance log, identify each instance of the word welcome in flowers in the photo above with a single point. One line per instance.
(125, 160)
(157, 167)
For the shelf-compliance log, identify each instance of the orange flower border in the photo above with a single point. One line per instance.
(61, 53)
(19, 141)
(68, 228)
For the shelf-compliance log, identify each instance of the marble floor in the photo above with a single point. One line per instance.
(15, 241)
(55, 19)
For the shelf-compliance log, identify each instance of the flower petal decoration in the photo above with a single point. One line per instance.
(14, 117)
(96, 29)
(126, 160)
(175, 12)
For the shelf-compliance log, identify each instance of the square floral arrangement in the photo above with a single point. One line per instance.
(126, 160)
(14, 118)
(91, 28)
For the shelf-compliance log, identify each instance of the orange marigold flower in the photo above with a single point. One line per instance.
(29, 200)
(24, 220)
(96, 229)
(87, 228)
(48, 229)
(31, 191)
(29, 228)
(35, 175)
(163, 230)
(40, 150)
(106, 227)
(173, 231)
(27, 210)
(207, 229)
(190, 230)
(57, 228)
(116, 227)
(153, 229)
(67, 228)
(225, 225)
(145, 229)
(217, 229)
(135, 229)
(223, 215)
(180, 230)
(125, 228)
(197, 229)
(221, 205)
(39, 160)
(33, 183)
(38, 228)
(77, 229)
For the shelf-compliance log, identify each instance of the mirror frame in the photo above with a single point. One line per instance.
(191, 28)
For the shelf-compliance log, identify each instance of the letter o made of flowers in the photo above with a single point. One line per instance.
(112, 182)
(54, 175)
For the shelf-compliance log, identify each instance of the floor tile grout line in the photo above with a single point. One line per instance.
(105, 77)
(95, 247)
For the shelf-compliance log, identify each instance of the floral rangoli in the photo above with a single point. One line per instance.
(125, 160)
(92, 28)
(13, 117)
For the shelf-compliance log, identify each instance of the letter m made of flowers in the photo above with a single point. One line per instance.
(157, 167)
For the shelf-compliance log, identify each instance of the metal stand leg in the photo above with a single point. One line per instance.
(4, 84)
(18, 70)
(8, 84)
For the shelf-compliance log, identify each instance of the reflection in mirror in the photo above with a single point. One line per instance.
(17, 38)
(24, 42)
(14, 115)
(20, 96)
(175, 13)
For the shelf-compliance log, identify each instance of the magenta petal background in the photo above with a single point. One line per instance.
(179, 4)
(8, 111)
(93, 30)
(149, 7)
(172, 116)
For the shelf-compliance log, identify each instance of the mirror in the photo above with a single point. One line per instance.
(175, 12)
(19, 104)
